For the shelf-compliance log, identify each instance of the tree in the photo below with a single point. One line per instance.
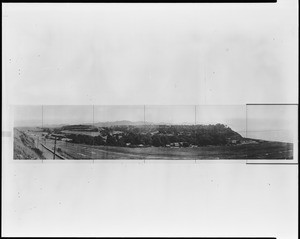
(111, 140)
(98, 140)
(147, 139)
(164, 140)
(156, 140)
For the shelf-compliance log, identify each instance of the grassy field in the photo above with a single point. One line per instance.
(264, 150)
(26, 146)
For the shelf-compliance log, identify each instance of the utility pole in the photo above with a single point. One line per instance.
(54, 147)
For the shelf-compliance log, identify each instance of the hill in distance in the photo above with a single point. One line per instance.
(120, 122)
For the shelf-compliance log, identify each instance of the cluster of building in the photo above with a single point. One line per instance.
(61, 137)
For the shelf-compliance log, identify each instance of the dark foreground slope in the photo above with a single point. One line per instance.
(25, 146)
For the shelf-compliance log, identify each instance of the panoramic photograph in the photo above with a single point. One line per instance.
(150, 119)
(184, 132)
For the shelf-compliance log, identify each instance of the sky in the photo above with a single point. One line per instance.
(168, 114)
(107, 113)
(182, 114)
(233, 116)
(273, 122)
(28, 115)
(70, 114)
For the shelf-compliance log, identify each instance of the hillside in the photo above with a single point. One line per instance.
(24, 147)
(124, 134)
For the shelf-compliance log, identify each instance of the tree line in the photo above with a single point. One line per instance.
(161, 136)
